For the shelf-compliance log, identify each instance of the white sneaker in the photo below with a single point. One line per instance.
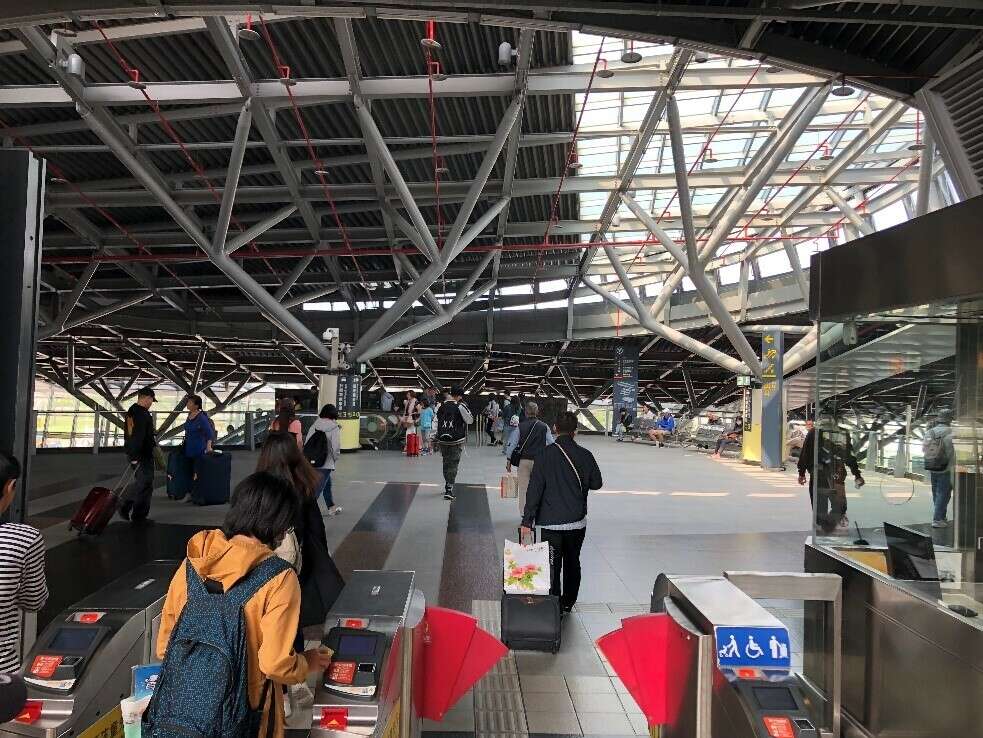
(301, 696)
(335, 510)
(844, 524)
(940, 523)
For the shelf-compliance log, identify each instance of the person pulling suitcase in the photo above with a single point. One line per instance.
(556, 501)
(139, 444)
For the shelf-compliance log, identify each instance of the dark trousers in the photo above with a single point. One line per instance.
(326, 487)
(451, 454)
(565, 548)
(141, 490)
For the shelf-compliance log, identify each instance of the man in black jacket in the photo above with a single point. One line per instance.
(832, 459)
(139, 444)
(556, 501)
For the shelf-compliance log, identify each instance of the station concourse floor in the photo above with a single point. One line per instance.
(660, 510)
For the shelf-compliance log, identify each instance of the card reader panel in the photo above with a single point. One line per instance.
(356, 665)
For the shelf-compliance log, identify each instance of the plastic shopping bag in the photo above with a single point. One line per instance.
(527, 568)
(509, 486)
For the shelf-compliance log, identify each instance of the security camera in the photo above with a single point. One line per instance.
(701, 57)
(506, 54)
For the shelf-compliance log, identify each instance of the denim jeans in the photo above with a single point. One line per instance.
(941, 493)
(326, 487)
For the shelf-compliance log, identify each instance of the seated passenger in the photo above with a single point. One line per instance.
(22, 584)
(626, 419)
(263, 508)
(663, 429)
(730, 437)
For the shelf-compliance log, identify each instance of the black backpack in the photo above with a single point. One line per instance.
(451, 427)
(316, 448)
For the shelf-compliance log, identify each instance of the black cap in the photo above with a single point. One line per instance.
(13, 696)
(457, 391)
(147, 392)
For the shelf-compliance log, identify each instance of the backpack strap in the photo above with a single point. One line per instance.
(256, 579)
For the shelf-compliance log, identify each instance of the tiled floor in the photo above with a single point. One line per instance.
(660, 510)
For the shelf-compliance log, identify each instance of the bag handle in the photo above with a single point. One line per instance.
(520, 536)
(129, 474)
(576, 473)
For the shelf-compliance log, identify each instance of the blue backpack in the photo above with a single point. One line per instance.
(203, 690)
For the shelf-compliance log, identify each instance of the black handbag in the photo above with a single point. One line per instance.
(516, 456)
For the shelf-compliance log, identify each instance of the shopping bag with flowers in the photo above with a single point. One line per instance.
(527, 568)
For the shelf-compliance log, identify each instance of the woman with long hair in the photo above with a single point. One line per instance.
(320, 581)
(286, 421)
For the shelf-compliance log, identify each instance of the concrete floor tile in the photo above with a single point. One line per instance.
(639, 723)
(628, 702)
(590, 685)
(453, 721)
(592, 702)
(605, 723)
(547, 702)
(563, 723)
(543, 683)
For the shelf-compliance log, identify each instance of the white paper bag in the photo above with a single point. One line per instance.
(527, 568)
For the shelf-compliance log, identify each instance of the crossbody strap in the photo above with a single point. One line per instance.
(528, 436)
(576, 473)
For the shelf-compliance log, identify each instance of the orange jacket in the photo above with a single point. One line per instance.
(271, 616)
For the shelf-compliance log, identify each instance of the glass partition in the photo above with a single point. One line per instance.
(896, 448)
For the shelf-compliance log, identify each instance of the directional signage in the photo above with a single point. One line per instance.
(760, 647)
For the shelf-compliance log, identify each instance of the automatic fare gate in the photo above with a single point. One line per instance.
(741, 682)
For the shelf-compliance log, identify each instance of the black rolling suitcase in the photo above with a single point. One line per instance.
(531, 622)
(180, 474)
(213, 479)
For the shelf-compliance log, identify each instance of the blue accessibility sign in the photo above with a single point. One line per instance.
(762, 647)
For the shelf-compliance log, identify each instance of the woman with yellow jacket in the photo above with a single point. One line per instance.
(263, 508)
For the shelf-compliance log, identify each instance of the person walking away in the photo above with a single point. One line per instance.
(564, 473)
(263, 592)
(453, 420)
(529, 440)
(199, 433)
(386, 401)
(23, 587)
(426, 427)
(286, 421)
(827, 483)
(940, 460)
(306, 550)
(139, 444)
(492, 411)
(510, 422)
(322, 447)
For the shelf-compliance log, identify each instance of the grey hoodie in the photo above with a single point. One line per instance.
(333, 432)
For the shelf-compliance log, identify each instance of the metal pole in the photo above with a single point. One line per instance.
(250, 430)
(97, 417)
(258, 229)
(671, 334)
(232, 176)
(696, 270)
(292, 278)
(925, 167)
(484, 171)
(850, 212)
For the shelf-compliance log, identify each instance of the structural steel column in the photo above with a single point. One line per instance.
(21, 215)
(772, 400)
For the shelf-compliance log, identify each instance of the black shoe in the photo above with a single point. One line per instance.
(124, 511)
(449, 492)
(140, 520)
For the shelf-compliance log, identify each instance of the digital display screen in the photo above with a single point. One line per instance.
(356, 646)
(774, 698)
(73, 639)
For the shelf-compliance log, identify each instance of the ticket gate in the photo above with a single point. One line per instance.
(740, 680)
(80, 666)
(367, 689)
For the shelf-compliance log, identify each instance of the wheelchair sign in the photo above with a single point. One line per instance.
(766, 648)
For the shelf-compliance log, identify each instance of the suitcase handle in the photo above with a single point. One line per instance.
(519, 529)
(129, 474)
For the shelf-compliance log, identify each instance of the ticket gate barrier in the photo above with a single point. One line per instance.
(80, 666)
(367, 690)
(740, 680)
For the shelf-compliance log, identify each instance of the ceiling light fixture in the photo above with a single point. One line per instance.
(604, 72)
(774, 70)
(827, 155)
(247, 32)
(322, 172)
(65, 31)
(701, 57)
(59, 181)
(428, 42)
(843, 89)
(708, 157)
(631, 56)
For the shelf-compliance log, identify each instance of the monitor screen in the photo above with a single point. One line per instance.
(356, 646)
(910, 554)
(774, 698)
(73, 639)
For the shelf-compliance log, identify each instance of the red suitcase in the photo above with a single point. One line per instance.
(99, 506)
(412, 444)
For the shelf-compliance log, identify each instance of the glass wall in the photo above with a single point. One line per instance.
(63, 421)
(897, 441)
